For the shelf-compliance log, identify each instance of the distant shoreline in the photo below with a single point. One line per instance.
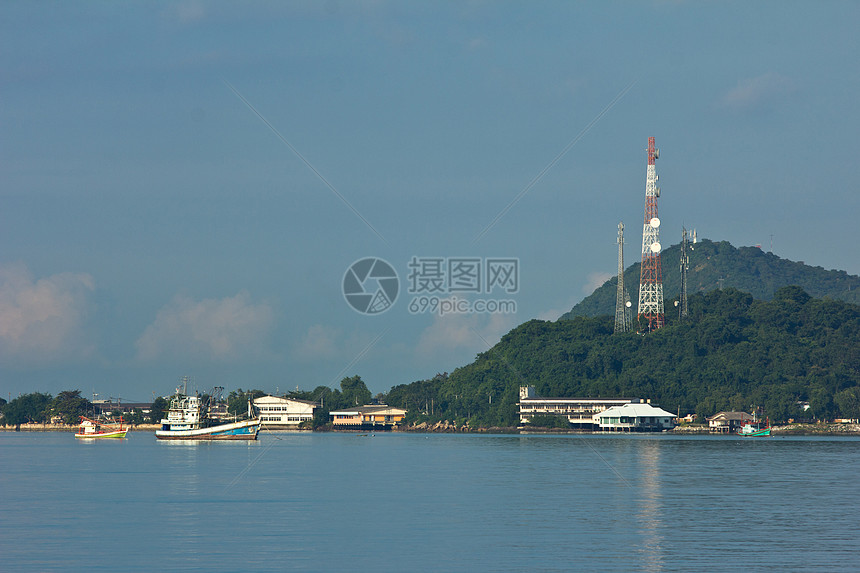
(786, 430)
(70, 428)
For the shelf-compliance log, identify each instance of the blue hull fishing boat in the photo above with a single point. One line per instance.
(188, 418)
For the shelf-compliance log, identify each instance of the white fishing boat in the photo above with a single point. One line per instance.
(188, 419)
(92, 429)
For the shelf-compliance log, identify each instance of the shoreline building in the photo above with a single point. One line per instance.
(578, 411)
(624, 414)
(729, 422)
(107, 407)
(284, 413)
(634, 417)
(370, 416)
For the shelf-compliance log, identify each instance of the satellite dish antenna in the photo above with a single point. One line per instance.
(655, 248)
(655, 222)
(676, 303)
(656, 154)
(628, 304)
(657, 192)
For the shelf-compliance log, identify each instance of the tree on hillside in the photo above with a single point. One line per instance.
(418, 398)
(848, 403)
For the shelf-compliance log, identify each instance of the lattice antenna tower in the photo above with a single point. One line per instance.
(651, 278)
(623, 321)
(685, 266)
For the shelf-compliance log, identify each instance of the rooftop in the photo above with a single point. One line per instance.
(636, 411)
(368, 409)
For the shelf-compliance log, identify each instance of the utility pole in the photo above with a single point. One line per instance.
(622, 299)
(685, 266)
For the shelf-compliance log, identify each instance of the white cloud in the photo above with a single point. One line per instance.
(319, 342)
(554, 313)
(186, 12)
(595, 279)
(477, 43)
(44, 320)
(226, 329)
(330, 344)
(752, 92)
(477, 332)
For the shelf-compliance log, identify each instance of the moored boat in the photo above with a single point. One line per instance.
(188, 418)
(96, 429)
(754, 430)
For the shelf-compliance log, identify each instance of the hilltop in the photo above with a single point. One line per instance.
(733, 353)
(721, 265)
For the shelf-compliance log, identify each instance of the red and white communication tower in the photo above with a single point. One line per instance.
(651, 278)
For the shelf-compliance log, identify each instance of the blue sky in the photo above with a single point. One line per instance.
(155, 220)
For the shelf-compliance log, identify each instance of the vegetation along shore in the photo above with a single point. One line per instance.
(777, 337)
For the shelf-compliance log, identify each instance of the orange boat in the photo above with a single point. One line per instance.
(95, 429)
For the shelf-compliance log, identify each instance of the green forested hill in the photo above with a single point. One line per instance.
(734, 352)
(713, 265)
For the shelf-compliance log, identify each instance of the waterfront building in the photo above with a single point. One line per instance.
(283, 413)
(729, 422)
(634, 417)
(106, 407)
(578, 411)
(368, 416)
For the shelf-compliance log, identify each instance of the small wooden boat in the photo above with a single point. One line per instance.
(95, 429)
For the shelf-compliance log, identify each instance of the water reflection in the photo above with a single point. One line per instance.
(182, 461)
(180, 510)
(650, 513)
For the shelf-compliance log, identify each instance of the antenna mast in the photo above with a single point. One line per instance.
(651, 278)
(685, 266)
(622, 300)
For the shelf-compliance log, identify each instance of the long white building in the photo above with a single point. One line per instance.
(284, 413)
(578, 411)
(608, 414)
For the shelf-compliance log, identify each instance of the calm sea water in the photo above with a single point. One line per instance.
(435, 502)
